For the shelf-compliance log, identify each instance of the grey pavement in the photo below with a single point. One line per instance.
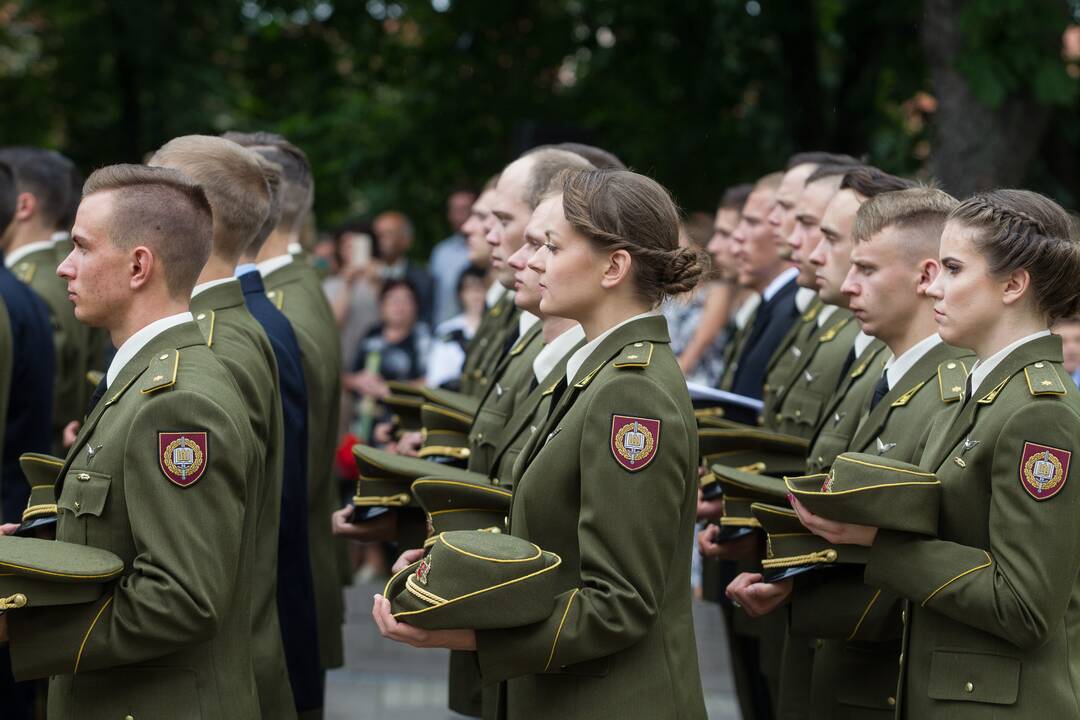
(384, 680)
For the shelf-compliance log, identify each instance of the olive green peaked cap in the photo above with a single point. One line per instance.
(384, 478)
(789, 545)
(460, 402)
(741, 489)
(764, 451)
(475, 579)
(871, 490)
(41, 472)
(458, 505)
(405, 410)
(40, 573)
(446, 432)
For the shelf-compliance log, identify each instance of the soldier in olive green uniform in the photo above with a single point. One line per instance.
(487, 344)
(159, 475)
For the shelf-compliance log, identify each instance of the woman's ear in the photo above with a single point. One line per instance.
(617, 270)
(1015, 287)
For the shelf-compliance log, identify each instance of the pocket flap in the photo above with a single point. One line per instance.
(974, 677)
(85, 492)
(802, 407)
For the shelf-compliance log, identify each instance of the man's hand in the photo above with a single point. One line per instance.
(710, 509)
(382, 528)
(70, 432)
(409, 443)
(406, 559)
(758, 598)
(9, 528)
(837, 533)
(401, 632)
(743, 548)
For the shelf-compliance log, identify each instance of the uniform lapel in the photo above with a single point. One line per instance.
(868, 361)
(821, 335)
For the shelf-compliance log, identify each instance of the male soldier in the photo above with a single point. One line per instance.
(160, 475)
(295, 289)
(295, 588)
(43, 181)
(237, 191)
(893, 261)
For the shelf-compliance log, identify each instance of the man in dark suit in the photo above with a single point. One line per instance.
(761, 268)
(295, 588)
(393, 238)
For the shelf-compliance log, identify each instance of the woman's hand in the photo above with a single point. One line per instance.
(758, 598)
(837, 533)
(406, 559)
(401, 632)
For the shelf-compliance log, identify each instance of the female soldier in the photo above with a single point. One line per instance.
(993, 627)
(609, 482)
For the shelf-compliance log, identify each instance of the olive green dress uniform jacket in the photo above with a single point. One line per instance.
(488, 344)
(858, 625)
(993, 622)
(733, 350)
(171, 639)
(6, 360)
(71, 339)
(620, 643)
(239, 341)
(295, 290)
(788, 354)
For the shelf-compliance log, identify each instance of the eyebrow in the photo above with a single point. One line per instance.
(828, 231)
(807, 218)
(950, 258)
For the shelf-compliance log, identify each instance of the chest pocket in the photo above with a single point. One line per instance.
(484, 439)
(802, 408)
(974, 677)
(84, 496)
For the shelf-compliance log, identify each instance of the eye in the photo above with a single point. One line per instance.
(550, 247)
(952, 268)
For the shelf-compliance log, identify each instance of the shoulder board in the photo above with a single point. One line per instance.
(1042, 379)
(833, 331)
(161, 372)
(205, 321)
(812, 312)
(24, 271)
(277, 297)
(635, 355)
(992, 395)
(951, 377)
(906, 397)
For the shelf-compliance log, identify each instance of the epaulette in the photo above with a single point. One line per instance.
(906, 397)
(833, 331)
(277, 297)
(24, 271)
(1042, 379)
(951, 377)
(205, 321)
(161, 372)
(635, 355)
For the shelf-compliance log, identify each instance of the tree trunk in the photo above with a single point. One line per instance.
(975, 147)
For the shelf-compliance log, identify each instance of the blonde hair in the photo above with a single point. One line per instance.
(919, 212)
(234, 184)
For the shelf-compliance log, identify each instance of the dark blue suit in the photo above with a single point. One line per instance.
(29, 429)
(771, 323)
(295, 589)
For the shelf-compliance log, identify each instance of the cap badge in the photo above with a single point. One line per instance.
(1043, 470)
(183, 456)
(634, 441)
(423, 570)
(826, 487)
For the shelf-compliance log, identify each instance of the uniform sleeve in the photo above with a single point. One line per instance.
(1019, 587)
(190, 551)
(630, 532)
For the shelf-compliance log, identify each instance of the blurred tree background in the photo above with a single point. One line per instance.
(398, 101)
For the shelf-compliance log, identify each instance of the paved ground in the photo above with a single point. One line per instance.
(383, 680)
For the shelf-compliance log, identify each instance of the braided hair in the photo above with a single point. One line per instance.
(1020, 229)
(622, 210)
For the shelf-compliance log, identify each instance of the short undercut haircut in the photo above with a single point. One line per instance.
(233, 182)
(599, 157)
(735, 197)
(163, 210)
(46, 175)
(272, 174)
(297, 183)
(920, 213)
(820, 158)
(546, 164)
(869, 181)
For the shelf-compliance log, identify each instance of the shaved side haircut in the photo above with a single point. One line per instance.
(297, 183)
(919, 213)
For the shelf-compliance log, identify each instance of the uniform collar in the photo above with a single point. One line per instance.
(526, 321)
(550, 355)
(203, 287)
(825, 313)
(742, 315)
(779, 282)
(983, 368)
(245, 268)
(582, 354)
(59, 236)
(275, 263)
(803, 297)
(494, 294)
(19, 253)
(897, 367)
(862, 341)
(131, 347)
(295, 248)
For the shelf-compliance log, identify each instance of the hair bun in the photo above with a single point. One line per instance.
(683, 270)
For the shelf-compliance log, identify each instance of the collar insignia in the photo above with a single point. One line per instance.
(884, 447)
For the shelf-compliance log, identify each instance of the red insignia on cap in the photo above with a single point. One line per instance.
(183, 456)
(1043, 470)
(634, 441)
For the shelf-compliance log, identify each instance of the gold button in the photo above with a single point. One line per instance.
(164, 357)
(129, 717)
(969, 687)
(200, 316)
(1038, 365)
(798, 413)
(819, 644)
(78, 505)
(890, 701)
(951, 366)
(83, 476)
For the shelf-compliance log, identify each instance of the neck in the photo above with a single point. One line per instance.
(556, 326)
(766, 280)
(1012, 326)
(922, 326)
(23, 235)
(216, 268)
(277, 244)
(605, 315)
(142, 313)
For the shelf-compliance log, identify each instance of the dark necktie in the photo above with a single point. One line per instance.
(968, 390)
(533, 384)
(880, 390)
(848, 362)
(509, 344)
(96, 396)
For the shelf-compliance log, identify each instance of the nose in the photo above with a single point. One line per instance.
(850, 286)
(538, 262)
(66, 268)
(937, 288)
(817, 257)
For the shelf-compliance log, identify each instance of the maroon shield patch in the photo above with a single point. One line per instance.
(183, 456)
(1043, 470)
(634, 441)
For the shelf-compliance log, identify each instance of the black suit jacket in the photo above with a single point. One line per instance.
(29, 410)
(295, 588)
(771, 324)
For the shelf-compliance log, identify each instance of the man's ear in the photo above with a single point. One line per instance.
(142, 264)
(1015, 286)
(617, 269)
(25, 206)
(929, 269)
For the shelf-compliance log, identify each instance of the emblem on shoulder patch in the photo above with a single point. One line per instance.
(183, 456)
(1043, 470)
(634, 441)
